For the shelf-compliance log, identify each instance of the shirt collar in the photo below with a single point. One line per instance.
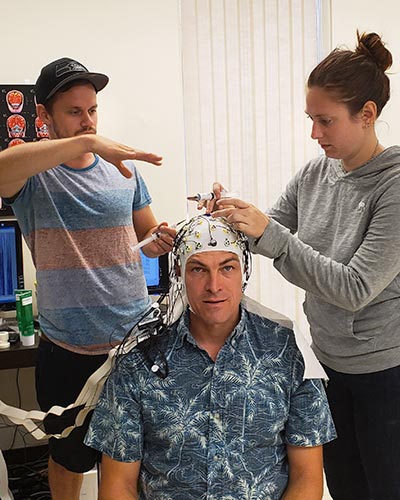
(183, 329)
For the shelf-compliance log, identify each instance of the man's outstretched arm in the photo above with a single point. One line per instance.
(19, 163)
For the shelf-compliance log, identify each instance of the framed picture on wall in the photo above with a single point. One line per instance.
(18, 121)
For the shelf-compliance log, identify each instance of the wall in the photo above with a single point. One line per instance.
(380, 17)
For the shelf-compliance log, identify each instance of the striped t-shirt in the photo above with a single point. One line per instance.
(78, 226)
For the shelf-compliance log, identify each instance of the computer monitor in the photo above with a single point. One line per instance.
(11, 264)
(156, 273)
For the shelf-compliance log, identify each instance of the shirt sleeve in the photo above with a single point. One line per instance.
(309, 422)
(142, 196)
(116, 426)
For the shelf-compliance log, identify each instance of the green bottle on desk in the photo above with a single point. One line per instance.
(23, 306)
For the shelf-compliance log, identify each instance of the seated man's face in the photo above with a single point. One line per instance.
(213, 283)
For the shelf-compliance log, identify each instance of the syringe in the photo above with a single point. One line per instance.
(201, 196)
(211, 196)
(144, 242)
(149, 239)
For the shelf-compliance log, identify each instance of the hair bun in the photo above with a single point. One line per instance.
(371, 45)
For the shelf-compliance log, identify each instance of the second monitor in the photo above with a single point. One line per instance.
(156, 273)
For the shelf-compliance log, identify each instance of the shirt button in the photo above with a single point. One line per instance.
(216, 458)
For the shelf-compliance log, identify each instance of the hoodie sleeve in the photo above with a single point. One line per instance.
(374, 255)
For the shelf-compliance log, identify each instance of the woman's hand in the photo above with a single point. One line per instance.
(218, 190)
(242, 215)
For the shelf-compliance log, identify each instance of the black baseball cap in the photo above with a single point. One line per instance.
(62, 71)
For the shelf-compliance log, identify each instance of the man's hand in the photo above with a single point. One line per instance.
(164, 243)
(115, 153)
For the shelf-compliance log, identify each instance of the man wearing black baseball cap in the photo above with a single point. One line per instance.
(75, 210)
(55, 75)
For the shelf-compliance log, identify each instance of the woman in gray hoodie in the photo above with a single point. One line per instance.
(345, 208)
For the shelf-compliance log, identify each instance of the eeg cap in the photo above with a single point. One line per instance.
(205, 233)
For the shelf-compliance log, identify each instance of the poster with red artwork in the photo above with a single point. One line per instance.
(18, 121)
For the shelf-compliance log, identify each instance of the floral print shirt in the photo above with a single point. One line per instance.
(213, 430)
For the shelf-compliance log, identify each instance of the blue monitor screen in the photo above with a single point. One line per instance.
(11, 274)
(8, 268)
(156, 273)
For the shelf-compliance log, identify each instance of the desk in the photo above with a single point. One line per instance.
(18, 356)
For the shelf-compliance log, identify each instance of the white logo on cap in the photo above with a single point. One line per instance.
(69, 67)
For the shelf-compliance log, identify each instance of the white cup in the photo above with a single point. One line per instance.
(4, 343)
(28, 340)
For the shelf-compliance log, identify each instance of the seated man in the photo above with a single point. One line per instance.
(214, 406)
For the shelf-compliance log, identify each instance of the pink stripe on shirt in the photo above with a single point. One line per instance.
(90, 248)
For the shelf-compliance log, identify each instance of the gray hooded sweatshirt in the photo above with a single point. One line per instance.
(346, 255)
